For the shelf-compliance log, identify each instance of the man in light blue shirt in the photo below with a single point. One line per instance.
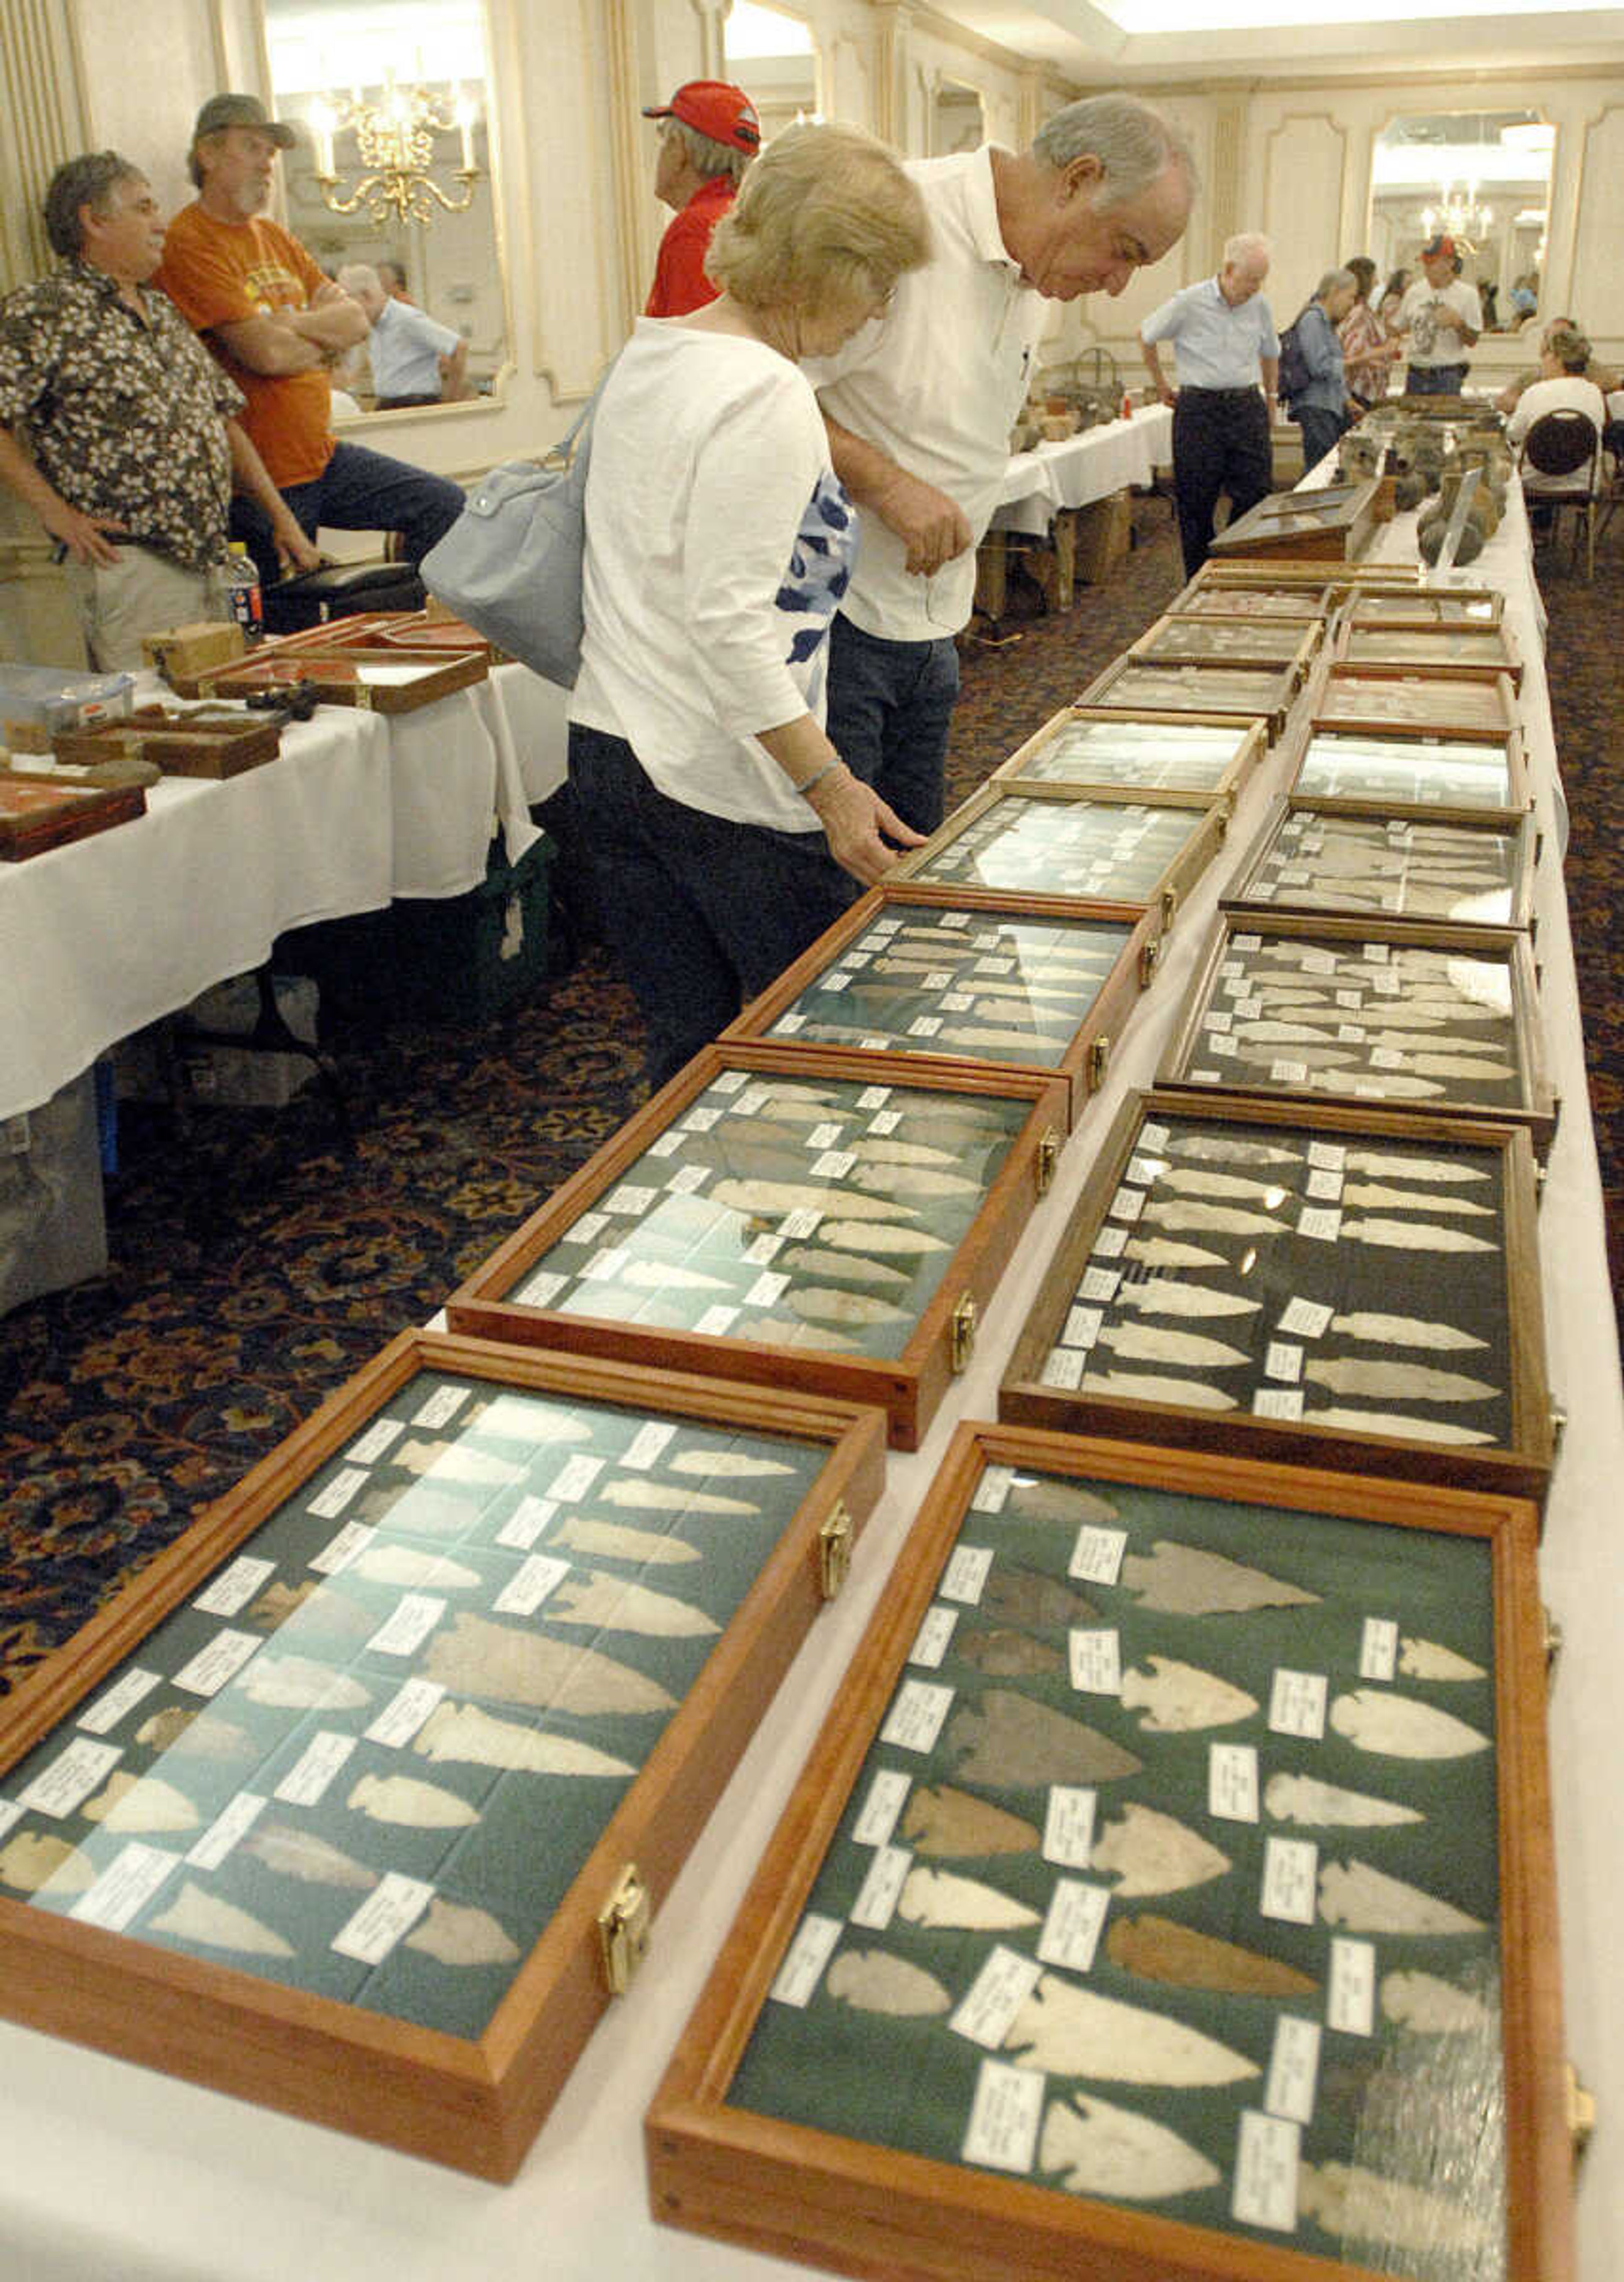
(414, 359)
(1321, 410)
(1225, 343)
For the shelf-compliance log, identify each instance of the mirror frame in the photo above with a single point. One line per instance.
(1410, 111)
(819, 62)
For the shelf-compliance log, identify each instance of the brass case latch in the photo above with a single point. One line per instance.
(1581, 2112)
(962, 1332)
(1170, 907)
(1048, 1158)
(1150, 959)
(1552, 1628)
(622, 1930)
(833, 1550)
(1099, 1061)
(1558, 1427)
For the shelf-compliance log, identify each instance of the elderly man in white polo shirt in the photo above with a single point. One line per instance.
(1224, 340)
(920, 405)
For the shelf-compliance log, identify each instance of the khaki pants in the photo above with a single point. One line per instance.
(142, 593)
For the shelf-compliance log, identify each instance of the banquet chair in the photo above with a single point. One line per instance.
(1561, 445)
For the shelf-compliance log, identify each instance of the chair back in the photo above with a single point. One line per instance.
(1560, 443)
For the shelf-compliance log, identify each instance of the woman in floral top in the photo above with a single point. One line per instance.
(1368, 352)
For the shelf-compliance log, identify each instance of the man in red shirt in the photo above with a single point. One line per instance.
(709, 134)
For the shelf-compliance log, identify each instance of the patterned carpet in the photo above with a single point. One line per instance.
(253, 1266)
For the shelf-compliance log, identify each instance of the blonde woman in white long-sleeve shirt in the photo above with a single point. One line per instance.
(726, 832)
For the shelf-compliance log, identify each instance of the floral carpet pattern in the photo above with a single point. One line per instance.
(254, 1265)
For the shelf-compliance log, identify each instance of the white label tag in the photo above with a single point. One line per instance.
(1278, 1403)
(234, 1587)
(1232, 1781)
(134, 1685)
(1069, 1825)
(701, 1119)
(228, 1829)
(630, 1201)
(526, 1524)
(1350, 1999)
(914, 1721)
(664, 1145)
(824, 1136)
(1099, 1283)
(762, 1251)
(605, 1266)
(887, 1795)
(1297, 1704)
(997, 1994)
(440, 1408)
(965, 1577)
(1110, 1242)
(1283, 1361)
(1097, 1556)
(833, 1165)
(924, 1026)
(339, 1551)
(574, 1479)
(648, 1445)
(125, 1887)
(306, 1780)
(1286, 1073)
(1095, 1656)
(1328, 1156)
(1005, 2114)
(379, 1437)
(391, 1910)
(407, 1626)
(542, 1291)
(1379, 1649)
(207, 1671)
(1324, 1188)
(1294, 2069)
(404, 1712)
(1305, 1319)
(876, 1901)
(64, 1786)
(768, 1288)
(936, 1630)
(717, 1321)
(1073, 1925)
(1127, 1205)
(688, 1180)
(1064, 1367)
(590, 1227)
(529, 1584)
(991, 1491)
(800, 1223)
(331, 1500)
(1291, 1869)
(804, 1961)
(1155, 1136)
(1265, 2186)
(1321, 1222)
(1083, 1327)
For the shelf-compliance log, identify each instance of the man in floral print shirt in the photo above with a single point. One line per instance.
(135, 441)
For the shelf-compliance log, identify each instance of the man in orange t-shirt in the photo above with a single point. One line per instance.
(277, 325)
(709, 133)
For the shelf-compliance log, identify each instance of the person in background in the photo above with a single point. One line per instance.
(1229, 363)
(1563, 387)
(726, 832)
(920, 403)
(1321, 409)
(1369, 349)
(1524, 297)
(1605, 378)
(277, 326)
(414, 359)
(709, 133)
(1441, 318)
(392, 279)
(135, 437)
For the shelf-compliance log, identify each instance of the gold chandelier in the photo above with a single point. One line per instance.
(395, 139)
(1459, 216)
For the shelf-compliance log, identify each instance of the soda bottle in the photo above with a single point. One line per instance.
(243, 590)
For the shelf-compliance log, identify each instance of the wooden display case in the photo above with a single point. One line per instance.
(1155, 1899)
(216, 745)
(1334, 524)
(932, 983)
(377, 681)
(1469, 652)
(1225, 692)
(1341, 581)
(254, 1833)
(387, 630)
(40, 812)
(1450, 606)
(1473, 871)
(1410, 775)
(790, 1220)
(1095, 748)
(1187, 639)
(1308, 602)
(1068, 848)
(1440, 1021)
(1398, 703)
(1362, 1289)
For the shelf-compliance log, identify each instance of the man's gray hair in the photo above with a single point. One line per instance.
(1132, 143)
(359, 273)
(1332, 279)
(706, 156)
(90, 180)
(1250, 246)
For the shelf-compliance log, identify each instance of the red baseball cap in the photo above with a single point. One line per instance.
(716, 108)
(1442, 244)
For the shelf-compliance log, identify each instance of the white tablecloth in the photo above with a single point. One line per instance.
(1091, 466)
(112, 2174)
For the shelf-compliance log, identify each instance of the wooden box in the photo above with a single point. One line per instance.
(181, 652)
(1296, 601)
(1171, 1912)
(181, 744)
(1164, 752)
(1415, 775)
(1227, 693)
(1251, 638)
(1054, 848)
(329, 1881)
(929, 981)
(387, 631)
(1438, 1021)
(1338, 580)
(1448, 606)
(377, 681)
(1367, 1288)
(1399, 703)
(1472, 870)
(1470, 652)
(40, 812)
(1334, 524)
(791, 1220)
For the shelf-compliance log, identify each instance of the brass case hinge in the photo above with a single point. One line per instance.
(1223, 823)
(1170, 907)
(1580, 2111)
(1552, 1628)
(1048, 1158)
(1150, 959)
(363, 698)
(622, 1930)
(833, 1550)
(962, 1333)
(1558, 1427)
(1099, 1061)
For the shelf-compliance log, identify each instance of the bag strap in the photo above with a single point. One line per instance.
(560, 452)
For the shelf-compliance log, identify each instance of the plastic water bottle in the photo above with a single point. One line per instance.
(243, 590)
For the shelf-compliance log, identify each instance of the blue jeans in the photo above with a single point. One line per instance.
(1320, 429)
(1434, 380)
(890, 703)
(358, 489)
(704, 912)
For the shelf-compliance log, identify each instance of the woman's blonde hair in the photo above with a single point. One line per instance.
(826, 221)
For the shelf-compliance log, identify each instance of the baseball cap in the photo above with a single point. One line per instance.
(716, 108)
(222, 111)
(1442, 245)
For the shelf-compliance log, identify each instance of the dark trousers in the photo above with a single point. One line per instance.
(1434, 380)
(704, 912)
(1320, 429)
(1220, 444)
(358, 489)
(890, 704)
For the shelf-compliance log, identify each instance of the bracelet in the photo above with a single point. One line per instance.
(818, 775)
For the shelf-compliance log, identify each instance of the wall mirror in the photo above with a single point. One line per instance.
(1484, 177)
(957, 120)
(772, 56)
(392, 102)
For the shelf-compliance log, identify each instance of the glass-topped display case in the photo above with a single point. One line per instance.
(1086, 748)
(1475, 870)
